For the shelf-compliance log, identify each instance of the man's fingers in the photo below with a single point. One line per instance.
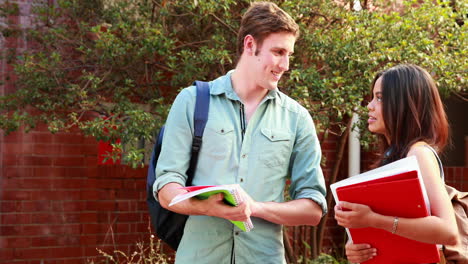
(217, 197)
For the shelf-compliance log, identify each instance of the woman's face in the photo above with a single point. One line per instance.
(376, 122)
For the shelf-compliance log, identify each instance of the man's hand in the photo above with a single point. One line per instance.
(215, 206)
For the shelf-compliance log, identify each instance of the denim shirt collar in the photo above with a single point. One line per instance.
(224, 85)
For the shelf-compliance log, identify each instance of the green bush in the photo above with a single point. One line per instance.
(125, 60)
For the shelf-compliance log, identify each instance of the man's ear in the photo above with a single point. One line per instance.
(250, 45)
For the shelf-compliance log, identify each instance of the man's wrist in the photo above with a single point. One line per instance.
(257, 209)
(198, 206)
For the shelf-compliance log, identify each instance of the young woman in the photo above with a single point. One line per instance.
(407, 114)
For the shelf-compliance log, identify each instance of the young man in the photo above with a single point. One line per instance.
(255, 137)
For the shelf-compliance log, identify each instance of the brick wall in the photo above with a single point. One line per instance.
(57, 205)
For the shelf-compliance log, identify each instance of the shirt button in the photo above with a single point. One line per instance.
(244, 155)
(222, 130)
(242, 179)
(237, 233)
(272, 136)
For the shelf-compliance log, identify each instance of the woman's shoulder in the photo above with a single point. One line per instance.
(420, 148)
(424, 154)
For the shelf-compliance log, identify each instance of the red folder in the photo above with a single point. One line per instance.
(398, 195)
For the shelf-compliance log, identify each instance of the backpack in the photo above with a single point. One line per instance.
(169, 226)
(458, 254)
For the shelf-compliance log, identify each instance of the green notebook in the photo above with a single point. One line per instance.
(231, 197)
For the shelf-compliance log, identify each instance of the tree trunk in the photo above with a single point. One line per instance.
(290, 257)
(340, 150)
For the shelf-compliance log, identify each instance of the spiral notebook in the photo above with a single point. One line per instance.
(231, 197)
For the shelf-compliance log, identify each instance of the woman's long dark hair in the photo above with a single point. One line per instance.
(412, 111)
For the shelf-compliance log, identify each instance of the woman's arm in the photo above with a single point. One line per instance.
(439, 228)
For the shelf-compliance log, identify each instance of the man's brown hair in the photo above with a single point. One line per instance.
(263, 19)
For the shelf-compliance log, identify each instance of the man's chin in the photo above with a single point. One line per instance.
(272, 86)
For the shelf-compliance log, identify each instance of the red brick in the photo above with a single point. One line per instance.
(36, 183)
(122, 227)
(91, 161)
(68, 161)
(92, 251)
(10, 230)
(19, 137)
(44, 241)
(129, 194)
(109, 184)
(78, 172)
(90, 149)
(141, 205)
(9, 160)
(127, 238)
(67, 183)
(141, 228)
(36, 206)
(46, 149)
(74, 206)
(15, 195)
(18, 172)
(67, 138)
(38, 230)
(55, 241)
(45, 218)
(15, 218)
(71, 150)
(55, 195)
(36, 161)
(88, 217)
(89, 194)
(70, 218)
(19, 148)
(33, 253)
(88, 240)
(7, 254)
(66, 252)
(10, 206)
(129, 217)
(15, 242)
(56, 218)
(123, 206)
(93, 229)
(50, 172)
(41, 137)
(101, 205)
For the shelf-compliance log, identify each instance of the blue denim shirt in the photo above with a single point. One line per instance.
(279, 141)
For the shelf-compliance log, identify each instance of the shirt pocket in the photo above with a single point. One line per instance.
(217, 140)
(275, 147)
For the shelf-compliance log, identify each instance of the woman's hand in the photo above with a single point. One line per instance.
(352, 215)
(357, 253)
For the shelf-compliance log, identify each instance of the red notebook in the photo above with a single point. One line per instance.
(397, 195)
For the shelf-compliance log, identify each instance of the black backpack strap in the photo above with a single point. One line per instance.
(200, 117)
